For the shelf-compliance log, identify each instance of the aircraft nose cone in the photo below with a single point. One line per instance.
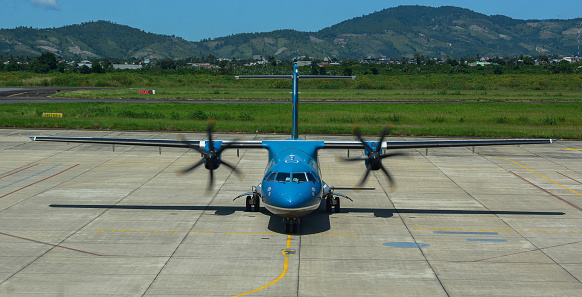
(292, 198)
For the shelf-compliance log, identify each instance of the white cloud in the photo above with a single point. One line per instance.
(46, 4)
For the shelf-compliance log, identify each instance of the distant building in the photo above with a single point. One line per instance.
(573, 59)
(127, 66)
(303, 63)
(203, 65)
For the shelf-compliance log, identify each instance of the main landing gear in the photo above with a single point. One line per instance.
(253, 203)
(332, 201)
(291, 225)
(253, 200)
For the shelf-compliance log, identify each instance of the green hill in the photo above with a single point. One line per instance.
(394, 32)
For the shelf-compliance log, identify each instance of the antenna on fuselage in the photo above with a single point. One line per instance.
(295, 100)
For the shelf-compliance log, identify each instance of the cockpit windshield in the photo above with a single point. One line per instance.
(296, 177)
(283, 177)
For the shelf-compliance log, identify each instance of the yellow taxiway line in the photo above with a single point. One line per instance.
(285, 268)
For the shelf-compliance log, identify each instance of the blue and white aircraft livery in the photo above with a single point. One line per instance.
(292, 186)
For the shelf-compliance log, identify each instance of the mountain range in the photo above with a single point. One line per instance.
(394, 32)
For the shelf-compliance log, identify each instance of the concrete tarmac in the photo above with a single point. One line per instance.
(90, 220)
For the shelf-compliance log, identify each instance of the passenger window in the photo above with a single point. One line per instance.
(311, 177)
(299, 177)
(283, 177)
(271, 176)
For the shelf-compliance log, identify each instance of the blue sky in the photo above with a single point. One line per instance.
(194, 19)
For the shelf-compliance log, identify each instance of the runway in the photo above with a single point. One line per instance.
(97, 220)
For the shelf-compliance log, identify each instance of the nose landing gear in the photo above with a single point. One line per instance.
(291, 225)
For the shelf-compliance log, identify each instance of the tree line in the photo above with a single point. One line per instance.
(419, 64)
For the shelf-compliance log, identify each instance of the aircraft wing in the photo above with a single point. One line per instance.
(435, 143)
(149, 142)
(259, 143)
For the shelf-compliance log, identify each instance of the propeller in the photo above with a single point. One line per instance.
(210, 158)
(374, 158)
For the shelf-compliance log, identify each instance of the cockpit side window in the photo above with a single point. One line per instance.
(283, 177)
(271, 176)
(311, 177)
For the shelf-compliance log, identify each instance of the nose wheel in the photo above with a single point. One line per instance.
(292, 225)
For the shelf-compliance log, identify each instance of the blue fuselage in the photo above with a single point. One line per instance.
(292, 185)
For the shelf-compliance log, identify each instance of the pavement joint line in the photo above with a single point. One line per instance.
(50, 244)
(425, 258)
(529, 251)
(442, 261)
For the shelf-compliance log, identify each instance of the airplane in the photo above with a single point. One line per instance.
(292, 185)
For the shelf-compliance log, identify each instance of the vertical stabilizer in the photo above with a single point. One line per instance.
(295, 116)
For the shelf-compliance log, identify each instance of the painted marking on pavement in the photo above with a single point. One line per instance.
(535, 173)
(8, 185)
(556, 196)
(34, 183)
(285, 268)
(406, 244)
(482, 231)
(487, 239)
(468, 233)
(568, 177)
(1, 177)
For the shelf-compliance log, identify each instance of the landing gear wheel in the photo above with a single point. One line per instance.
(291, 226)
(257, 204)
(328, 205)
(248, 204)
(337, 205)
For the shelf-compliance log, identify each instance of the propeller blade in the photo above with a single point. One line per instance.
(360, 158)
(359, 136)
(210, 181)
(379, 146)
(234, 169)
(189, 145)
(184, 171)
(373, 156)
(209, 132)
(388, 175)
(364, 177)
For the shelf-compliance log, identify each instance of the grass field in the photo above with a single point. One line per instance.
(487, 119)
(336, 95)
(484, 105)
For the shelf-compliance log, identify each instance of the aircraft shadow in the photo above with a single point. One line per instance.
(316, 222)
